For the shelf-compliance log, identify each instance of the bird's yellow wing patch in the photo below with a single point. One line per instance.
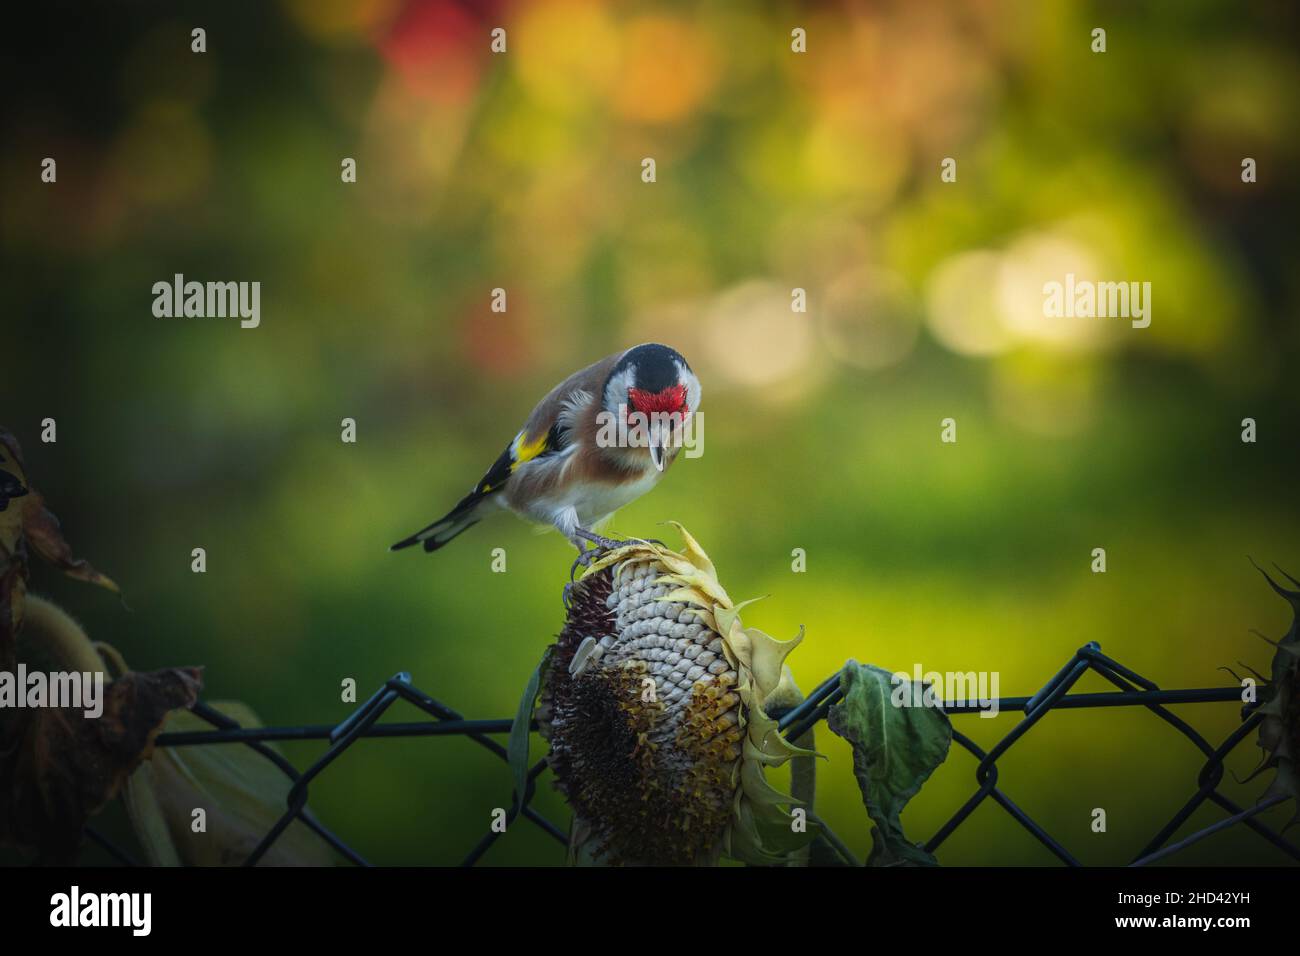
(525, 450)
(517, 453)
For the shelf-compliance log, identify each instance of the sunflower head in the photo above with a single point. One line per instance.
(654, 711)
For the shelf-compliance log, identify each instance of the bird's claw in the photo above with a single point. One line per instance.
(599, 545)
(584, 559)
(608, 544)
(600, 541)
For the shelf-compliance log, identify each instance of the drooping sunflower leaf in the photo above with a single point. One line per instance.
(517, 746)
(895, 749)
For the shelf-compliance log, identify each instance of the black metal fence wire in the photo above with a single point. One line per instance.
(1133, 691)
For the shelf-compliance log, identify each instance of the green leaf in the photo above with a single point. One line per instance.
(895, 749)
(517, 747)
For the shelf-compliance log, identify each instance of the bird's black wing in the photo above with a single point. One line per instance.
(520, 450)
(517, 452)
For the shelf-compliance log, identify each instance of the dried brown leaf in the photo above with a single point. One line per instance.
(27, 523)
(58, 767)
(45, 537)
(13, 551)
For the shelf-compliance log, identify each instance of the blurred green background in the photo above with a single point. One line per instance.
(775, 171)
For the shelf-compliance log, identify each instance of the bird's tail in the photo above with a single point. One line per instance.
(446, 527)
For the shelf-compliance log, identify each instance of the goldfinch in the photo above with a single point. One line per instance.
(600, 439)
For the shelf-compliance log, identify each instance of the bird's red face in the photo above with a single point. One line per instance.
(671, 400)
(662, 413)
(653, 391)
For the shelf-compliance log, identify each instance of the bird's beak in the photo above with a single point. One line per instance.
(656, 450)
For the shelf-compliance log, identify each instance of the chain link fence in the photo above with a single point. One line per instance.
(1133, 690)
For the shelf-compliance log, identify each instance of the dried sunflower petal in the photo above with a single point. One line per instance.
(241, 793)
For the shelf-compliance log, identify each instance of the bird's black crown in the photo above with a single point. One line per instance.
(656, 366)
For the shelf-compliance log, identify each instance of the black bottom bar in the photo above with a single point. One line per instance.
(386, 907)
